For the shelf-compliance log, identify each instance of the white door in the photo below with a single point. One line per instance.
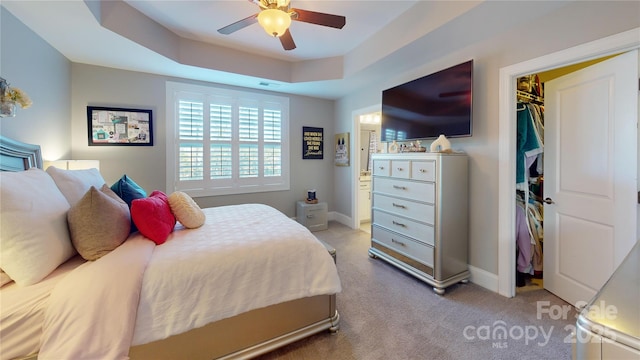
(590, 174)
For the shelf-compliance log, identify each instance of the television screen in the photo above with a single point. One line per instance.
(435, 104)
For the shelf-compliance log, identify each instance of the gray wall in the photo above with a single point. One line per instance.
(526, 30)
(100, 86)
(29, 63)
(61, 91)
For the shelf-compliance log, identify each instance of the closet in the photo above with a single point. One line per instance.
(529, 182)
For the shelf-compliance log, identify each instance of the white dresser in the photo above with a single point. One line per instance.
(420, 215)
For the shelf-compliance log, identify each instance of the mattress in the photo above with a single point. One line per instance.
(224, 266)
(244, 257)
(22, 312)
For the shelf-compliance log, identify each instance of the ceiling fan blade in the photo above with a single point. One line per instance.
(287, 41)
(241, 24)
(334, 21)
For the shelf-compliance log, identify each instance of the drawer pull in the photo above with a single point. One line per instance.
(309, 216)
(400, 169)
(423, 170)
(399, 187)
(399, 206)
(399, 224)
(398, 242)
(381, 167)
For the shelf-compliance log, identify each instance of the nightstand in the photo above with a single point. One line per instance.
(312, 216)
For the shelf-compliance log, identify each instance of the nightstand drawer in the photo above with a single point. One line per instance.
(312, 216)
(404, 245)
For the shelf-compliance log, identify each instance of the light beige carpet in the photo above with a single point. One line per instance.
(386, 314)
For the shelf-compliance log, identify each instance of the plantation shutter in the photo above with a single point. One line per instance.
(190, 137)
(226, 141)
(221, 141)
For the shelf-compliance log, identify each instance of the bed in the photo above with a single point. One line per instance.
(245, 282)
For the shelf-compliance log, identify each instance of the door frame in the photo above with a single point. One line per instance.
(610, 45)
(355, 168)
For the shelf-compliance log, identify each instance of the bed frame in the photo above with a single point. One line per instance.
(244, 336)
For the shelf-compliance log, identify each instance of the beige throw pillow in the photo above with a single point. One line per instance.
(186, 211)
(99, 222)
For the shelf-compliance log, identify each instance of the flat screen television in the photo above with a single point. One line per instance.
(435, 104)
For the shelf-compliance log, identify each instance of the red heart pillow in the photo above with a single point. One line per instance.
(153, 217)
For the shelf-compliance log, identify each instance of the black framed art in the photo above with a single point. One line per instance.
(312, 142)
(119, 126)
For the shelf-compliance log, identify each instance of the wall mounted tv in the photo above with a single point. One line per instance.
(424, 108)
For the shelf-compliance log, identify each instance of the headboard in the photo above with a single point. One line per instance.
(18, 156)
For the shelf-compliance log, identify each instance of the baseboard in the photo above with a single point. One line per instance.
(479, 276)
(484, 278)
(341, 218)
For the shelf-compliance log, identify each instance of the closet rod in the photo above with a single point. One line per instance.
(528, 96)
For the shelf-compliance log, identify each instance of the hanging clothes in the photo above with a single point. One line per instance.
(529, 145)
(523, 241)
(529, 235)
(530, 148)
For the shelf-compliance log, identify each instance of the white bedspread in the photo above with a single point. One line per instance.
(244, 257)
(91, 311)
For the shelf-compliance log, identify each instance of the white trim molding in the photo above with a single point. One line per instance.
(610, 45)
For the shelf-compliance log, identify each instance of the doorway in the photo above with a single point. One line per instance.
(506, 228)
(366, 119)
(530, 202)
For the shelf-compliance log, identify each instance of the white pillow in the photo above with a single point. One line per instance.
(75, 183)
(34, 237)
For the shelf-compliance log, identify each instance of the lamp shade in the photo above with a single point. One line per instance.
(275, 22)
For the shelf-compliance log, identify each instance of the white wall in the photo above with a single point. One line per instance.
(527, 30)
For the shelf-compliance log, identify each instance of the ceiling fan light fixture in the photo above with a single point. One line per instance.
(274, 21)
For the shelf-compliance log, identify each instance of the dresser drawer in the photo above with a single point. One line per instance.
(404, 226)
(407, 208)
(423, 170)
(406, 246)
(381, 167)
(401, 169)
(406, 189)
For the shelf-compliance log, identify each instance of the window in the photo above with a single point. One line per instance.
(222, 141)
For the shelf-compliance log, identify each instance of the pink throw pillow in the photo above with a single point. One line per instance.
(153, 217)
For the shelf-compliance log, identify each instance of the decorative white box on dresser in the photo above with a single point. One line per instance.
(420, 215)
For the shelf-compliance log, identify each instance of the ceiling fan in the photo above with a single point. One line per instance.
(275, 17)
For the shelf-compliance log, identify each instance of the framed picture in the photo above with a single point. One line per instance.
(312, 142)
(342, 149)
(119, 126)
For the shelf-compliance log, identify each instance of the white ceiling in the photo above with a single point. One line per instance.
(180, 38)
(200, 20)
